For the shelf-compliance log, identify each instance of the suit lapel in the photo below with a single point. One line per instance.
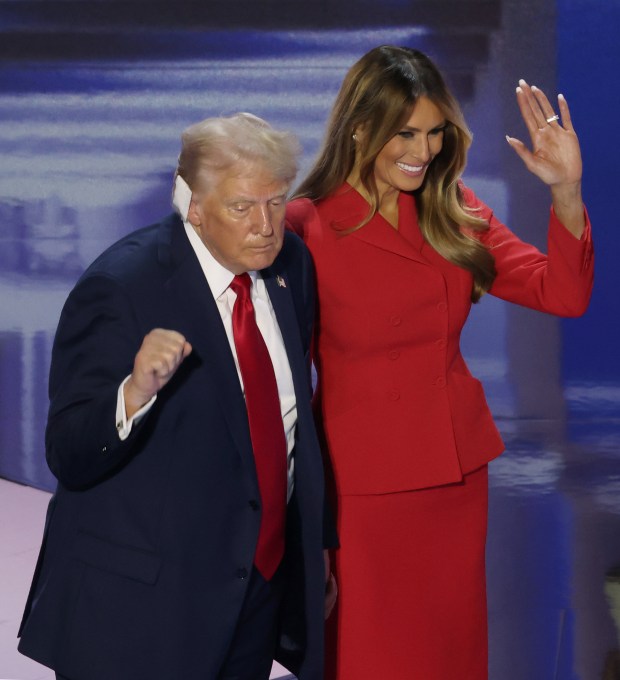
(193, 312)
(282, 302)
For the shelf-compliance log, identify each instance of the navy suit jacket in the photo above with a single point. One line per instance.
(149, 541)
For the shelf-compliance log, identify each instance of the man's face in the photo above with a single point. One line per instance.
(240, 218)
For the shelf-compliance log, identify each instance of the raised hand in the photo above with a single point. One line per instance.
(555, 157)
(157, 360)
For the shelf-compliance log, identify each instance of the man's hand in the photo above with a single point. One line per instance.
(331, 588)
(157, 360)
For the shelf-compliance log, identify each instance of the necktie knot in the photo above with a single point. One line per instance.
(241, 285)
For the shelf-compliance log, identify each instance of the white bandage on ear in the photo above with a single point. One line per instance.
(181, 197)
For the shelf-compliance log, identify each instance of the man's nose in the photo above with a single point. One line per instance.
(264, 220)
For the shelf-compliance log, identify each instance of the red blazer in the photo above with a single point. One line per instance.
(400, 408)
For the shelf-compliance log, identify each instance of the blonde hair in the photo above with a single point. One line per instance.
(379, 93)
(216, 144)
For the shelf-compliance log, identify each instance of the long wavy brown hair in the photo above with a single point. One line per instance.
(379, 93)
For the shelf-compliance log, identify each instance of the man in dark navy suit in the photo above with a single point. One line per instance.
(185, 539)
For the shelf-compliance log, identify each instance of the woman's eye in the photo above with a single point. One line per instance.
(405, 134)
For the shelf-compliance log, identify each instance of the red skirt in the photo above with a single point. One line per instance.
(412, 590)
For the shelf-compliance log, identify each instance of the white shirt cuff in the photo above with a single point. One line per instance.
(123, 424)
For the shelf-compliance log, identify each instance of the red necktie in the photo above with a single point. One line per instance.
(266, 428)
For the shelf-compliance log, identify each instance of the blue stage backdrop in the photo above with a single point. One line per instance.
(94, 96)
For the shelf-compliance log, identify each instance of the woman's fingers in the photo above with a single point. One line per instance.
(567, 122)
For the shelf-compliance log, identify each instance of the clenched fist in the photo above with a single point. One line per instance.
(157, 360)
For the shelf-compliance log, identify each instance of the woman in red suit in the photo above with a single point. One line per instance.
(402, 248)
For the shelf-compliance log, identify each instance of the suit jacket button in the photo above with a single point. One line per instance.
(442, 307)
(394, 354)
(241, 573)
(395, 320)
(254, 504)
(441, 381)
(393, 395)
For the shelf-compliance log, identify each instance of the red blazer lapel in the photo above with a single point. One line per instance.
(347, 214)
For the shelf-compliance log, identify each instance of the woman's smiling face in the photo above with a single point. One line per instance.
(402, 163)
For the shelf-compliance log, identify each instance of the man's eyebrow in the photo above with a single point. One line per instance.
(252, 199)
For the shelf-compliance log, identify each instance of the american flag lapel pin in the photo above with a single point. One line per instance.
(281, 282)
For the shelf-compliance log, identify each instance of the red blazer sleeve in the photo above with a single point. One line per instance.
(303, 218)
(559, 282)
